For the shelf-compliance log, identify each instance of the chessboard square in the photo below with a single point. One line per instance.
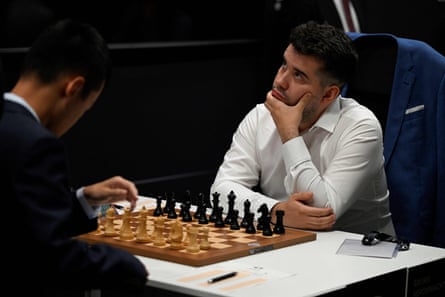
(243, 240)
(240, 234)
(215, 234)
(220, 245)
(217, 239)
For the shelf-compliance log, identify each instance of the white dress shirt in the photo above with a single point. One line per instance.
(340, 159)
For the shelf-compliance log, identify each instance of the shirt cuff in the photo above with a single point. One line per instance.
(91, 211)
(291, 159)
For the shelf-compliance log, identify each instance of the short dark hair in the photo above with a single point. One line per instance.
(69, 47)
(330, 45)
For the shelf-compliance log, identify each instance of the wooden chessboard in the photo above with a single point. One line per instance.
(225, 244)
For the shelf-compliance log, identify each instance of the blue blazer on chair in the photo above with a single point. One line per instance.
(414, 141)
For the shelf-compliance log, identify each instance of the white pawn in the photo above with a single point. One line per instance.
(158, 232)
(193, 246)
(204, 243)
(141, 231)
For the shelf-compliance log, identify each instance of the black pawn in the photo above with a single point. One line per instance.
(219, 222)
(203, 216)
(172, 210)
(158, 210)
(250, 228)
(186, 216)
(234, 225)
(279, 227)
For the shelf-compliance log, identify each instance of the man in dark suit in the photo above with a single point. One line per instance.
(63, 74)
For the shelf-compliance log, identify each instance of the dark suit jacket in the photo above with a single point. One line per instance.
(41, 214)
(414, 141)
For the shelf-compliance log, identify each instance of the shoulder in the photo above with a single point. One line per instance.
(22, 134)
(351, 107)
(353, 114)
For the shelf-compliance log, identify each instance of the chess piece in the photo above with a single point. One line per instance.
(264, 212)
(185, 199)
(168, 203)
(279, 227)
(203, 216)
(158, 232)
(267, 230)
(186, 240)
(204, 244)
(234, 225)
(199, 206)
(215, 205)
(192, 246)
(231, 204)
(158, 210)
(141, 230)
(176, 235)
(250, 227)
(246, 213)
(109, 229)
(219, 222)
(172, 209)
(186, 215)
(125, 232)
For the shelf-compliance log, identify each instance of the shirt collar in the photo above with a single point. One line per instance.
(19, 100)
(330, 116)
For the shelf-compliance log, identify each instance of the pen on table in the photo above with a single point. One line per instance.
(221, 277)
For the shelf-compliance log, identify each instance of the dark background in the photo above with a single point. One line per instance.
(184, 75)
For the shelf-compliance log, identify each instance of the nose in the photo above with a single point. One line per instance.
(281, 78)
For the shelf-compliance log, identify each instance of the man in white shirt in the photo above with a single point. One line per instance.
(312, 153)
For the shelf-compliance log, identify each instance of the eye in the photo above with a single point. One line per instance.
(299, 74)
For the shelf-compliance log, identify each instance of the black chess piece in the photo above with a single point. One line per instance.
(250, 228)
(234, 225)
(186, 197)
(215, 205)
(168, 203)
(231, 202)
(158, 210)
(199, 206)
(219, 222)
(264, 212)
(203, 216)
(267, 230)
(246, 213)
(172, 209)
(279, 227)
(186, 215)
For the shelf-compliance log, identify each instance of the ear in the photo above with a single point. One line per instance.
(74, 86)
(331, 92)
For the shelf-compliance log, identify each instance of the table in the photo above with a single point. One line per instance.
(316, 270)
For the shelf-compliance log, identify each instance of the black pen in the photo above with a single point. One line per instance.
(221, 277)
